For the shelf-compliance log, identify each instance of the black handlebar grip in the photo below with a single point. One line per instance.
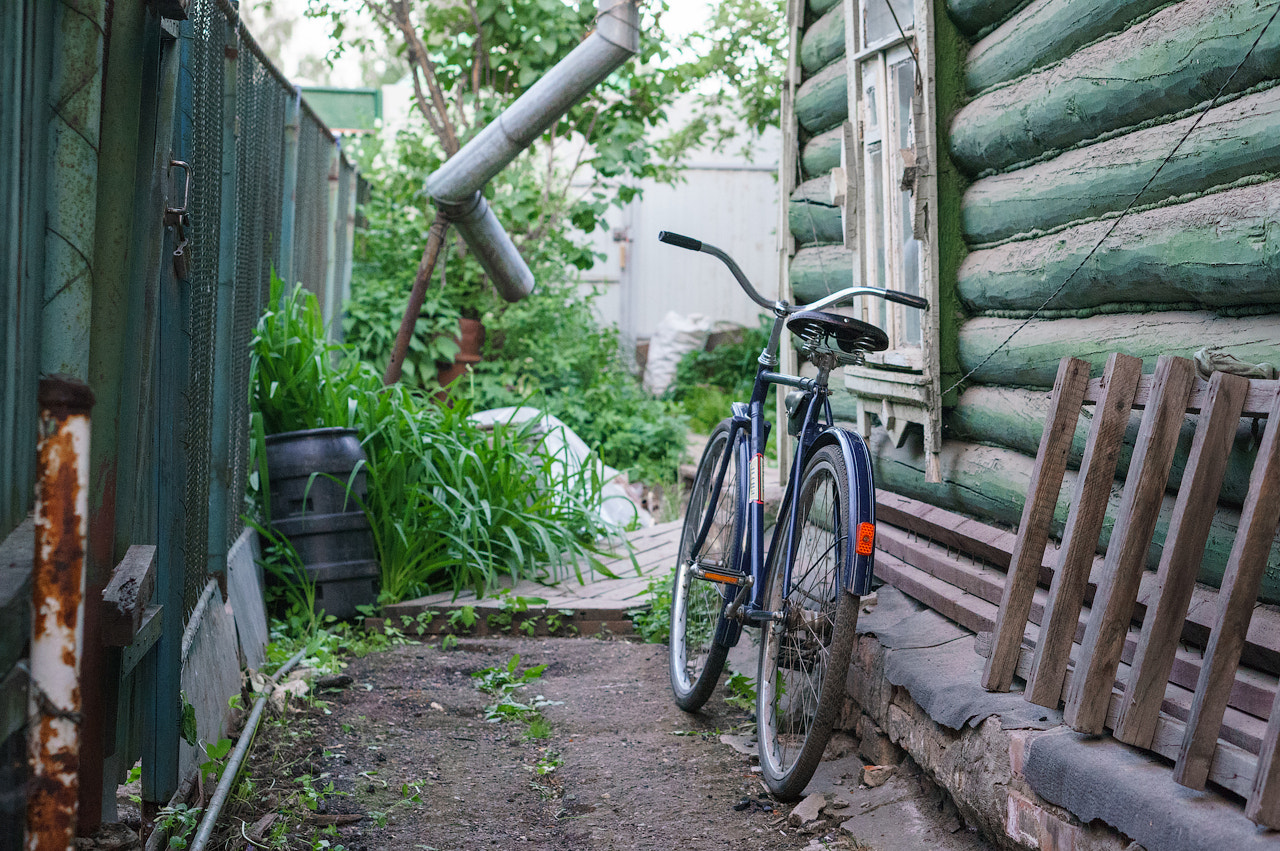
(907, 299)
(679, 241)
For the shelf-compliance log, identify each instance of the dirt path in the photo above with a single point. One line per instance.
(410, 755)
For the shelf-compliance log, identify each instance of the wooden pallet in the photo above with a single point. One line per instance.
(599, 603)
(1091, 701)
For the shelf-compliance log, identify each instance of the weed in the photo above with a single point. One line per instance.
(511, 605)
(178, 823)
(742, 691)
(463, 618)
(449, 642)
(556, 622)
(503, 683)
(539, 728)
(653, 624)
(215, 760)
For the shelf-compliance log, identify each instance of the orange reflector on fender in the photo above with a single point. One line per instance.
(866, 539)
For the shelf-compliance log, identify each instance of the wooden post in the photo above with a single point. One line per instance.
(1237, 597)
(1033, 531)
(1180, 561)
(1084, 525)
(435, 241)
(1090, 692)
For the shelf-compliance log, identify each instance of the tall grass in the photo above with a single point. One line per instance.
(452, 506)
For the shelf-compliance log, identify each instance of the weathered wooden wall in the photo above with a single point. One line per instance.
(821, 264)
(1071, 108)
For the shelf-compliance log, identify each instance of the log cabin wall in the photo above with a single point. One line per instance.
(1063, 111)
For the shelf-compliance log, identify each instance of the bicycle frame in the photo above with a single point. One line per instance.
(817, 429)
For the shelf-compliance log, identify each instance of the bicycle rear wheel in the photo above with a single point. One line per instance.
(696, 658)
(804, 655)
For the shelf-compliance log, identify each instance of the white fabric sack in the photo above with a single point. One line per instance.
(674, 337)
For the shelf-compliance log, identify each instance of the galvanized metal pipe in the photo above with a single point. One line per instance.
(232, 768)
(57, 624)
(455, 186)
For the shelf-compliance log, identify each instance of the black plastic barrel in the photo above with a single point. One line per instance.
(312, 506)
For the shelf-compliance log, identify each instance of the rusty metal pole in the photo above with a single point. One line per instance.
(435, 241)
(57, 623)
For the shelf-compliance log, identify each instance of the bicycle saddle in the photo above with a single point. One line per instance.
(842, 334)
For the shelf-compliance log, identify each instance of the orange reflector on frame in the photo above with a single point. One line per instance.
(866, 539)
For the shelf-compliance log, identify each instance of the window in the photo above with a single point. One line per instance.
(887, 158)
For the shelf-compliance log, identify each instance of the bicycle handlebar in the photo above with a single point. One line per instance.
(698, 245)
(691, 244)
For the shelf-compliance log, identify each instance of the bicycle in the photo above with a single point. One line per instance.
(803, 592)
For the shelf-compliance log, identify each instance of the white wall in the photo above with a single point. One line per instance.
(726, 200)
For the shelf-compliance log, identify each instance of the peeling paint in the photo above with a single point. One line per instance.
(57, 634)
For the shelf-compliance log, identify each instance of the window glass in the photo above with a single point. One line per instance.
(875, 234)
(903, 74)
(877, 19)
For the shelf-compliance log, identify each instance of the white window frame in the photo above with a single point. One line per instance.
(900, 386)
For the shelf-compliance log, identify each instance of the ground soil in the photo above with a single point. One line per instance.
(634, 771)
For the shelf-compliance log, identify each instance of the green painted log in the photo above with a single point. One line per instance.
(1233, 141)
(973, 16)
(811, 216)
(1219, 250)
(820, 270)
(991, 483)
(1030, 359)
(1014, 418)
(822, 101)
(823, 42)
(1172, 61)
(1042, 33)
(819, 7)
(822, 152)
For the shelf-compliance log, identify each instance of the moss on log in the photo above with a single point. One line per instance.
(1014, 418)
(820, 270)
(1044, 32)
(822, 152)
(1233, 141)
(1172, 61)
(1030, 359)
(822, 101)
(991, 483)
(811, 215)
(973, 16)
(1219, 250)
(823, 42)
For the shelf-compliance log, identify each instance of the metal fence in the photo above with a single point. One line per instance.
(171, 304)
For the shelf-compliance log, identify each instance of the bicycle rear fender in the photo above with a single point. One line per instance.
(857, 569)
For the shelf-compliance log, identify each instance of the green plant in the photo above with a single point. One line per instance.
(463, 618)
(742, 691)
(653, 622)
(215, 759)
(556, 622)
(449, 642)
(503, 683)
(178, 822)
(450, 504)
(539, 728)
(511, 605)
(370, 330)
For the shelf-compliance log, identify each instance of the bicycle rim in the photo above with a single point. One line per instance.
(696, 660)
(804, 657)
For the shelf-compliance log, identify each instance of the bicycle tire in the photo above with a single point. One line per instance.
(804, 657)
(696, 659)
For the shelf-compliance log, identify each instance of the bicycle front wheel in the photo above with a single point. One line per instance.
(696, 658)
(804, 653)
